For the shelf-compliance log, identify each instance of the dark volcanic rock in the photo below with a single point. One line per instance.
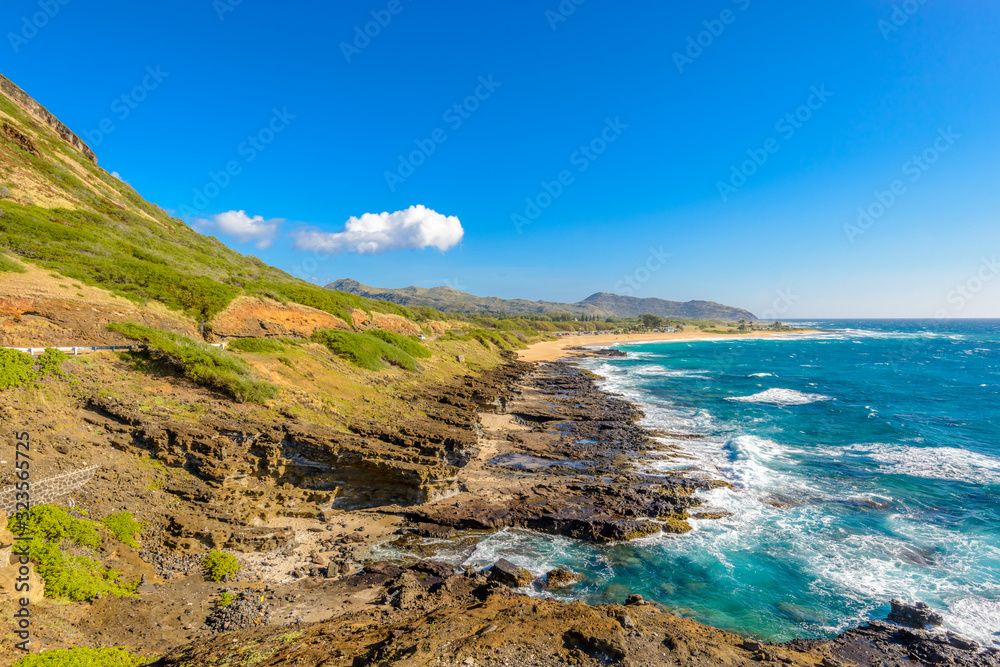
(433, 530)
(562, 577)
(384, 568)
(245, 611)
(575, 430)
(505, 572)
(917, 615)
(600, 512)
(597, 352)
(890, 645)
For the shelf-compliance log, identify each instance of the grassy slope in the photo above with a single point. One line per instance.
(67, 214)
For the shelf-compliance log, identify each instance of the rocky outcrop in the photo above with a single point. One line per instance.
(41, 322)
(260, 469)
(598, 512)
(508, 574)
(916, 615)
(26, 102)
(429, 614)
(571, 429)
(891, 645)
(244, 610)
(21, 140)
(257, 317)
(561, 577)
(363, 320)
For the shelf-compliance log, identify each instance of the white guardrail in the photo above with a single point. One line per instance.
(93, 348)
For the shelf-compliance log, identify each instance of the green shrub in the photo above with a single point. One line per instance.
(203, 364)
(119, 257)
(257, 345)
(16, 368)
(225, 599)
(504, 341)
(10, 266)
(75, 576)
(124, 527)
(218, 565)
(50, 362)
(365, 350)
(82, 657)
(331, 301)
(409, 344)
(51, 523)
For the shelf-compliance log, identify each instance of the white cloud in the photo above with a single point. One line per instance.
(117, 175)
(417, 227)
(241, 226)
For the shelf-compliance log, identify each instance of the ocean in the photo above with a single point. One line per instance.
(864, 462)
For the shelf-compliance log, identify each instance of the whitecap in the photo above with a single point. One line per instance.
(781, 397)
(761, 375)
(975, 618)
(656, 370)
(949, 463)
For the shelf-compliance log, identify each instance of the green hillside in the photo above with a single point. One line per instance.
(61, 211)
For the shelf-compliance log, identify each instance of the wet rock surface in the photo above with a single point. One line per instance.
(561, 577)
(577, 441)
(916, 615)
(505, 572)
(597, 352)
(892, 645)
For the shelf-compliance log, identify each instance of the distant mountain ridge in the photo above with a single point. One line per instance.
(601, 304)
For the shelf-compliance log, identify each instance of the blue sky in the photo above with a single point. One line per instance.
(644, 109)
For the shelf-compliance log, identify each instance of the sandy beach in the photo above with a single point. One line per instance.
(557, 349)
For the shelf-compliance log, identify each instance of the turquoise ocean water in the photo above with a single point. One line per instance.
(865, 462)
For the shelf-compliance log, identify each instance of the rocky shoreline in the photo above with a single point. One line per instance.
(559, 462)
(534, 446)
(552, 455)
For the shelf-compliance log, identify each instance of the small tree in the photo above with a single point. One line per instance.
(652, 321)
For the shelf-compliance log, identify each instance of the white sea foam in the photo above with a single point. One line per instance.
(772, 506)
(656, 370)
(932, 462)
(975, 618)
(761, 375)
(782, 397)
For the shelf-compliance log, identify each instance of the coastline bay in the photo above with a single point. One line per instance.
(864, 466)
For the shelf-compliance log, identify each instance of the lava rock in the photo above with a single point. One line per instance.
(505, 572)
(917, 615)
(433, 530)
(561, 577)
(247, 610)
